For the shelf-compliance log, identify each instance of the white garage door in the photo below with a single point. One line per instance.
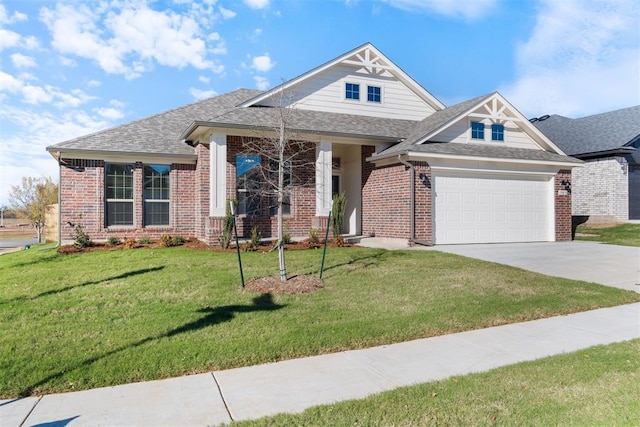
(493, 209)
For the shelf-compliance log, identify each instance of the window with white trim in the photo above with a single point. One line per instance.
(497, 132)
(352, 91)
(477, 130)
(374, 94)
(119, 194)
(156, 194)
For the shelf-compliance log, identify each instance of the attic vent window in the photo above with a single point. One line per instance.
(352, 91)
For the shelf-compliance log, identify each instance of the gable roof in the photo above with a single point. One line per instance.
(419, 139)
(155, 135)
(364, 56)
(593, 134)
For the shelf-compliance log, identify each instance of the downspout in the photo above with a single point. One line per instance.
(59, 242)
(412, 222)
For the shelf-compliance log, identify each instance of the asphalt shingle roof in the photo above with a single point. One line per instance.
(593, 134)
(157, 134)
(318, 122)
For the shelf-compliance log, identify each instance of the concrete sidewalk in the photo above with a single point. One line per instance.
(294, 385)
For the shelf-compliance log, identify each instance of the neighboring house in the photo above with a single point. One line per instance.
(607, 188)
(410, 168)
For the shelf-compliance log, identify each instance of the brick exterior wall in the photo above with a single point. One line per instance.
(562, 206)
(601, 189)
(386, 200)
(83, 201)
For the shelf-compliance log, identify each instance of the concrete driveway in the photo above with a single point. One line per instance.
(611, 265)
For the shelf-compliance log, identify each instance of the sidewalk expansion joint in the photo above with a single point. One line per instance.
(224, 401)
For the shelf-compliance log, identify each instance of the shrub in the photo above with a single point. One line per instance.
(227, 230)
(286, 236)
(113, 241)
(143, 241)
(80, 238)
(130, 243)
(165, 240)
(313, 241)
(247, 247)
(177, 240)
(256, 237)
(337, 214)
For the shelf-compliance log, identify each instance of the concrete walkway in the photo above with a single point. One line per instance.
(291, 386)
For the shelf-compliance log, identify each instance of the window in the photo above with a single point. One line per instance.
(477, 130)
(286, 196)
(119, 194)
(249, 183)
(352, 91)
(373, 94)
(497, 132)
(156, 194)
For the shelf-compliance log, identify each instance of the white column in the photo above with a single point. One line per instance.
(218, 174)
(323, 178)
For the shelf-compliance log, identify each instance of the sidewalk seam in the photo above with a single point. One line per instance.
(31, 411)
(224, 401)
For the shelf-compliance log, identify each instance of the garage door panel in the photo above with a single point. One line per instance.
(490, 209)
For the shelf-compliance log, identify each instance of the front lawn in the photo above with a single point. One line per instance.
(72, 322)
(621, 234)
(596, 386)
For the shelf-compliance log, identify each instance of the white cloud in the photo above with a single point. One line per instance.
(227, 13)
(581, 59)
(261, 82)
(36, 95)
(204, 79)
(257, 4)
(8, 39)
(469, 9)
(8, 83)
(6, 19)
(262, 63)
(202, 94)
(129, 38)
(109, 113)
(22, 61)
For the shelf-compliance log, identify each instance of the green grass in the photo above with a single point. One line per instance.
(621, 234)
(104, 318)
(598, 386)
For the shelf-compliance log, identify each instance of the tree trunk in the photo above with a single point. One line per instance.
(281, 261)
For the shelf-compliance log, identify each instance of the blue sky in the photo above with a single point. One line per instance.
(68, 68)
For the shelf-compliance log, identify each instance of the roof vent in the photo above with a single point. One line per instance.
(542, 118)
(533, 119)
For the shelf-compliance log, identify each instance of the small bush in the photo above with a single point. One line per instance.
(227, 231)
(144, 241)
(313, 241)
(166, 241)
(256, 237)
(247, 247)
(337, 214)
(177, 240)
(286, 236)
(113, 241)
(130, 243)
(80, 238)
(339, 241)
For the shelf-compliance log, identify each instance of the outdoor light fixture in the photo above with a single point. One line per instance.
(425, 180)
(566, 184)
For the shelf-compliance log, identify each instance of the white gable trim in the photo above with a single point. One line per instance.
(366, 56)
(493, 112)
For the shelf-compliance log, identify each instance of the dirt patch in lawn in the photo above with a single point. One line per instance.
(303, 284)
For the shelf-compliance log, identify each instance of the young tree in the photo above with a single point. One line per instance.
(31, 198)
(281, 158)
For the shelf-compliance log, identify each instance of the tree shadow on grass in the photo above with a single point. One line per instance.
(362, 261)
(213, 316)
(94, 282)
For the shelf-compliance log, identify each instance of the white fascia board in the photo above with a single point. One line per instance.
(449, 157)
(122, 157)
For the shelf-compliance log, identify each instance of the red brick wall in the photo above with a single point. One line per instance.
(83, 202)
(386, 200)
(562, 207)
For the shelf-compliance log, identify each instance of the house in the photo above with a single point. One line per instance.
(410, 167)
(607, 188)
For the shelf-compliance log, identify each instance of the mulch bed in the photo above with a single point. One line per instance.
(304, 284)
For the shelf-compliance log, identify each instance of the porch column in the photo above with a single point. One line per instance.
(218, 175)
(323, 178)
